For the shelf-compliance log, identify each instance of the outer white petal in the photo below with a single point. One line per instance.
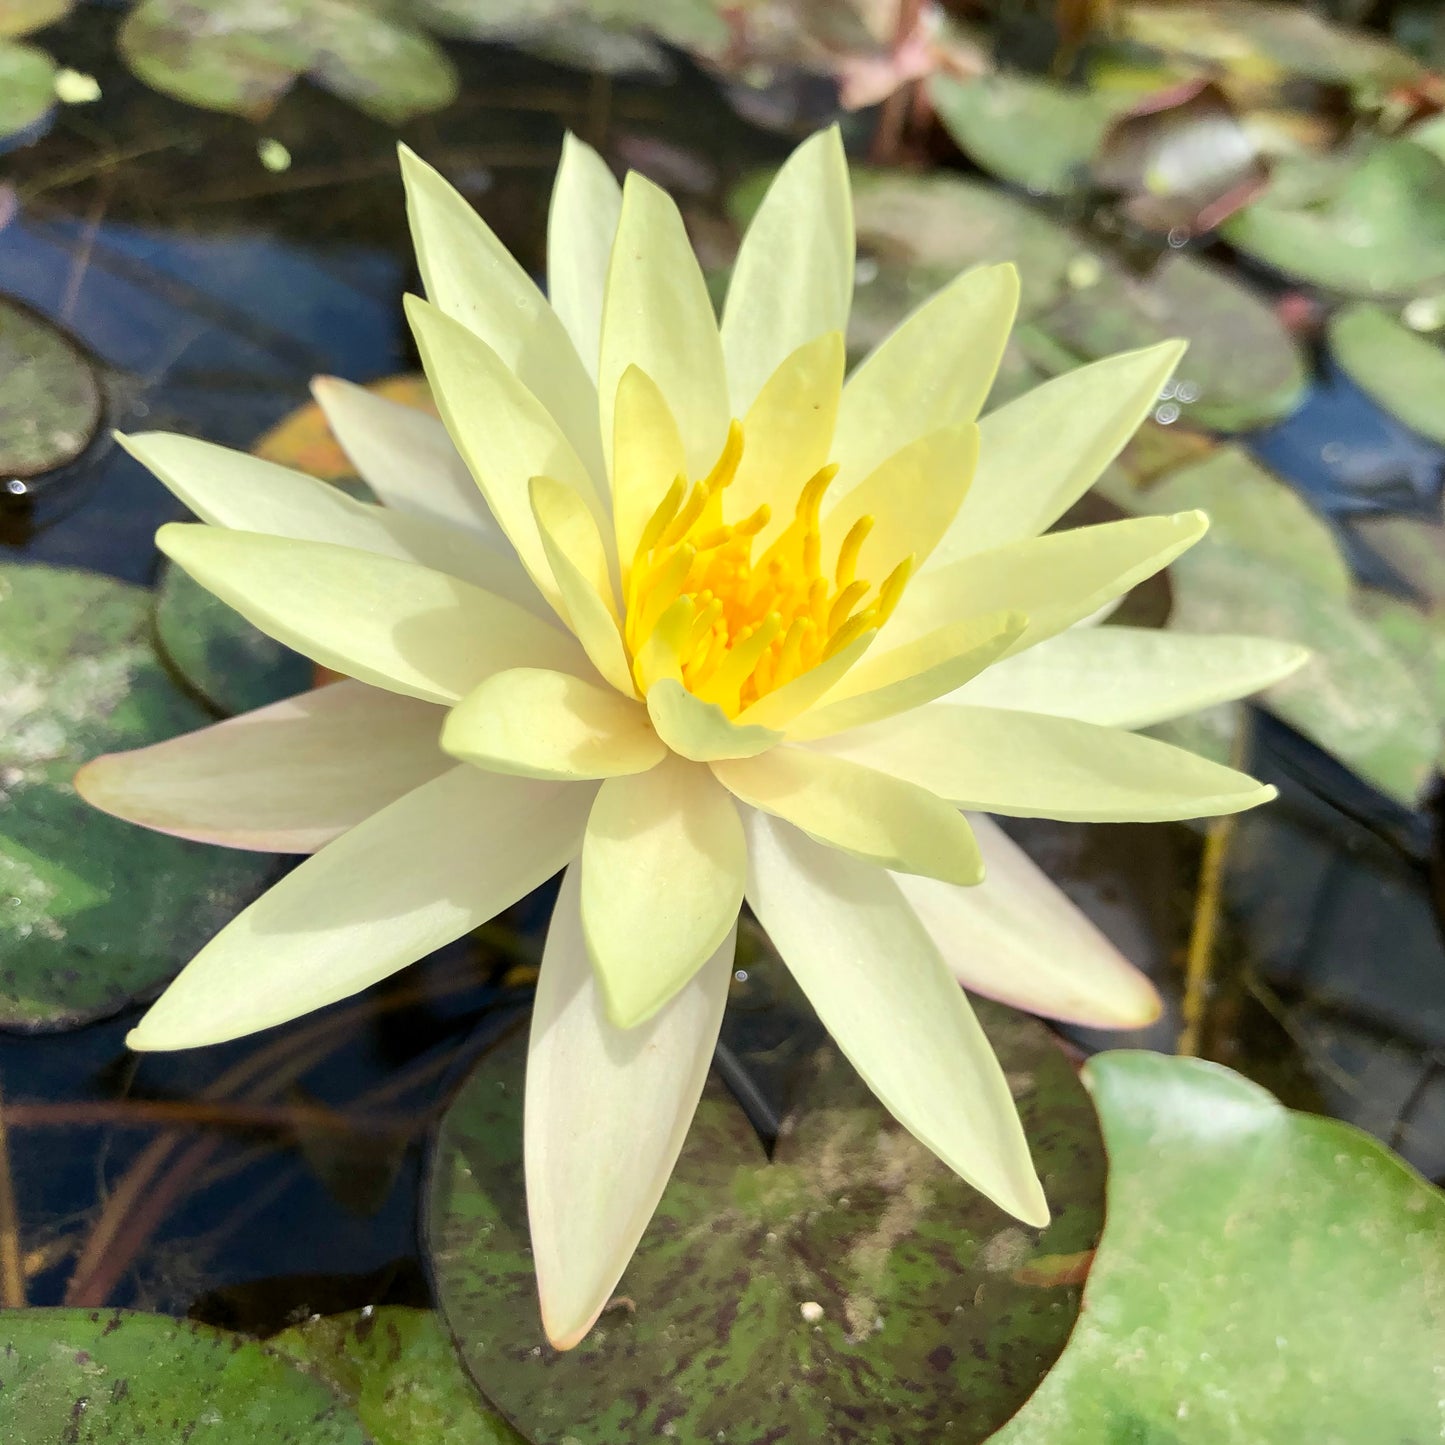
(582, 220)
(472, 277)
(1043, 451)
(436, 863)
(870, 969)
(606, 1114)
(1018, 938)
(247, 494)
(283, 779)
(390, 623)
(1026, 765)
(1131, 677)
(793, 279)
(406, 457)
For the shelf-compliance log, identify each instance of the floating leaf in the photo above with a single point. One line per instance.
(1369, 221)
(1033, 132)
(1251, 509)
(1242, 368)
(237, 56)
(1417, 635)
(1263, 1275)
(50, 403)
(1413, 546)
(1357, 697)
(1399, 368)
(399, 1371)
(852, 1289)
(97, 1377)
(93, 911)
(20, 17)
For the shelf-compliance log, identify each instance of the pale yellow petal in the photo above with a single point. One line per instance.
(540, 724)
(912, 497)
(377, 619)
(1044, 450)
(663, 862)
(647, 458)
(574, 551)
(1019, 939)
(858, 810)
(475, 280)
(701, 730)
(287, 778)
(934, 371)
(793, 278)
(870, 970)
(581, 222)
(1132, 677)
(912, 675)
(437, 863)
(1024, 765)
(788, 434)
(607, 1110)
(504, 434)
(657, 315)
(779, 708)
(1055, 580)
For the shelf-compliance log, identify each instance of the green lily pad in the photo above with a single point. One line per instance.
(1414, 547)
(850, 1290)
(20, 17)
(50, 405)
(93, 912)
(235, 667)
(241, 57)
(27, 86)
(1036, 133)
(1251, 509)
(1369, 222)
(1242, 368)
(1416, 634)
(112, 1377)
(1357, 697)
(1402, 370)
(398, 1370)
(1263, 1275)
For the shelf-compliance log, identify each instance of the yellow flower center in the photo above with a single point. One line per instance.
(731, 627)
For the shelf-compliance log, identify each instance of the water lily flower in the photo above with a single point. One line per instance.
(673, 606)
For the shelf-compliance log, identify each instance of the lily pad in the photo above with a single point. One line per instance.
(241, 56)
(398, 1370)
(851, 1289)
(27, 86)
(1404, 372)
(1242, 368)
(235, 667)
(20, 17)
(1263, 1275)
(50, 405)
(1368, 222)
(1357, 697)
(93, 912)
(1413, 546)
(1253, 510)
(91, 1376)
(1036, 133)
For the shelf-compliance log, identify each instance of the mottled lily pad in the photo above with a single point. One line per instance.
(50, 404)
(1242, 368)
(1357, 697)
(113, 1377)
(851, 1289)
(241, 56)
(27, 86)
(1264, 1275)
(398, 1370)
(1402, 370)
(93, 912)
(1368, 222)
(1033, 132)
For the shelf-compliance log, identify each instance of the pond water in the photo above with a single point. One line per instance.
(261, 1181)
